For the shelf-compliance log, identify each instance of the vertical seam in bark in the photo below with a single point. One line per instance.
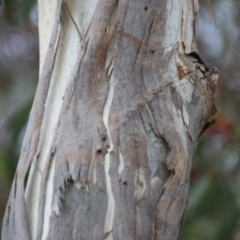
(108, 225)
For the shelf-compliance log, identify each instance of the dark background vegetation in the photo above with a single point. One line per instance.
(214, 200)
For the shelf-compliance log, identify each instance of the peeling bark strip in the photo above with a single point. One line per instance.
(121, 102)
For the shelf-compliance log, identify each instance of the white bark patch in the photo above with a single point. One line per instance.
(154, 181)
(45, 26)
(48, 201)
(109, 236)
(111, 202)
(56, 204)
(108, 225)
(121, 163)
(77, 184)
(187, 25)
(69, 50)
(186, 90)
(173, 26)
(185, 115)
(82, 12)
(179, 27)
(140, 184)
(94, 176)
(180, 127)
(32, 193)
(185, 86)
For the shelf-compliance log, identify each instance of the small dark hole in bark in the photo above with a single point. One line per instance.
(104, 138)
(171, 171)
(70, 180)
(146, 8)
(197, 57)
(99, 151)
(125, 183)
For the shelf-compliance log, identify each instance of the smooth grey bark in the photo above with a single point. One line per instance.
(114, 161)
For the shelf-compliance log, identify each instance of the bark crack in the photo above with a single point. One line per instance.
(65, 4)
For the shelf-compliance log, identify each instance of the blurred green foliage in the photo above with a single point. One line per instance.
(18, 11)
(213, 205)
(18, 79)
(212, 212)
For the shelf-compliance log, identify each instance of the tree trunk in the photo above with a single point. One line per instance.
(121, 102)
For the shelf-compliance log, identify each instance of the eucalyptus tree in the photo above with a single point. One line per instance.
(121, 102)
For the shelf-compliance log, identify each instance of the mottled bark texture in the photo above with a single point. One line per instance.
(121, 102)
